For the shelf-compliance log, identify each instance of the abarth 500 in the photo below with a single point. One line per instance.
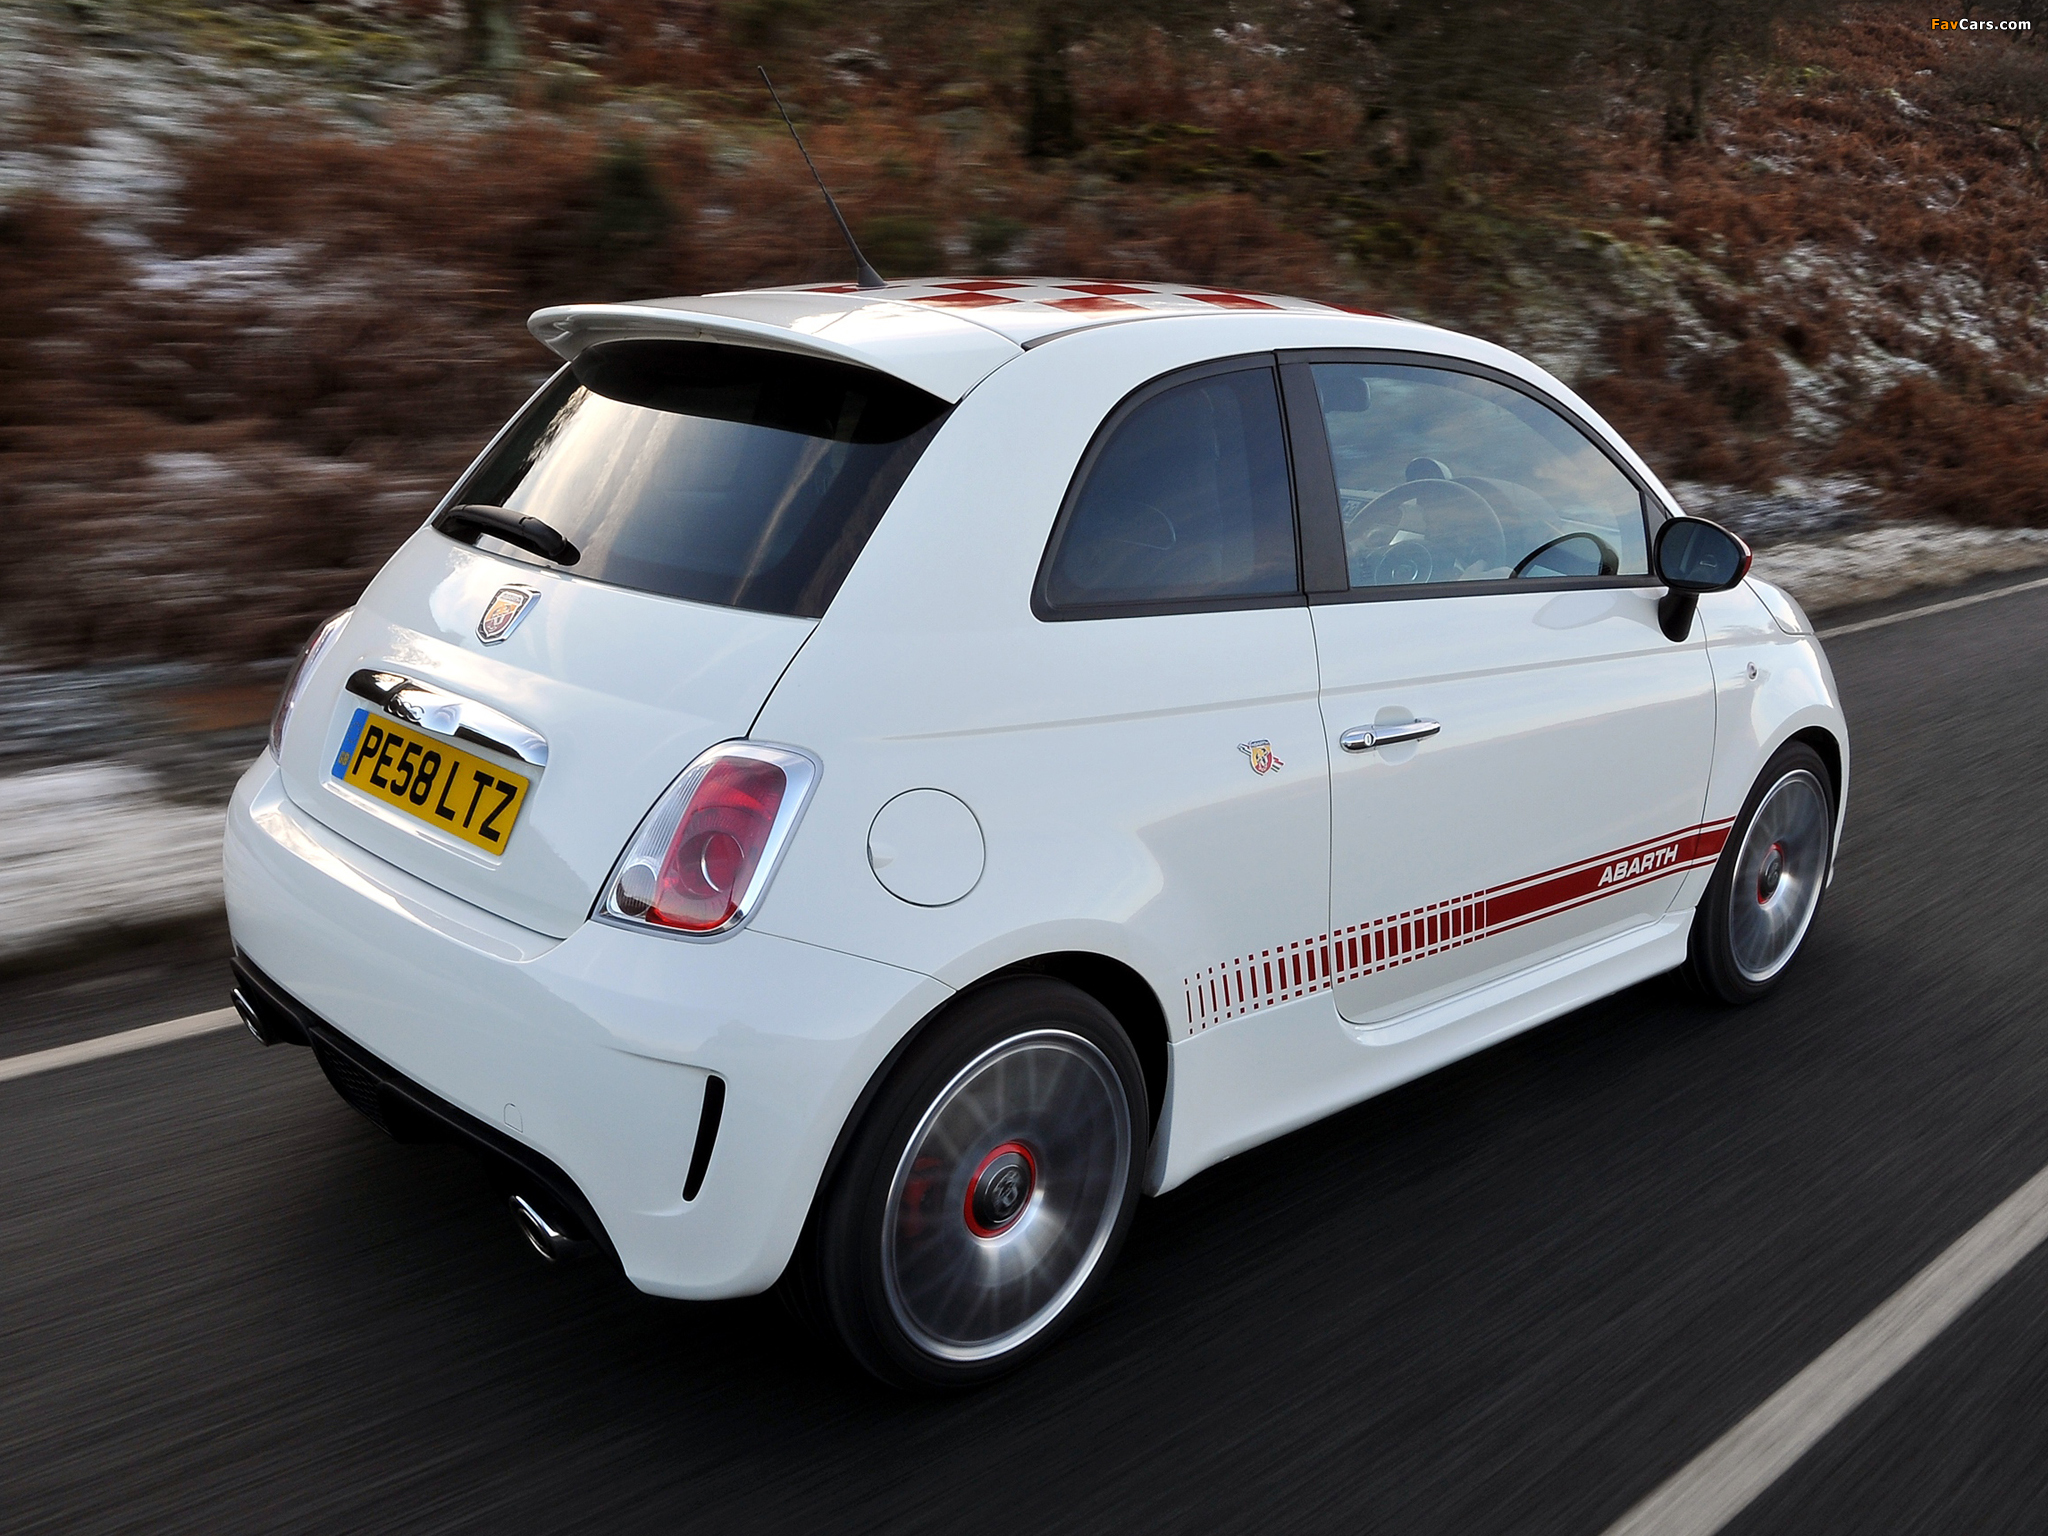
(854, 787)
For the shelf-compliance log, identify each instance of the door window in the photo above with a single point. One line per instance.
(1447, 477)
(1186, 502)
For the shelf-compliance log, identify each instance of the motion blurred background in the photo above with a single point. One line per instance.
(266, 265)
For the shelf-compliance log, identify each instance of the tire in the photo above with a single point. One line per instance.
(1767, 887)
(985, 1195)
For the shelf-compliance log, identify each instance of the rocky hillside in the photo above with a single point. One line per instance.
(267, 264)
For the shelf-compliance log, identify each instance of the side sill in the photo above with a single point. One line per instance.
(1500, 993)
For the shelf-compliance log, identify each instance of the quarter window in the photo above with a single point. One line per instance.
(1188, 501)
(1444, 476)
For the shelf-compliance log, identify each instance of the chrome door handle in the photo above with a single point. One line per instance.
(1364, 738)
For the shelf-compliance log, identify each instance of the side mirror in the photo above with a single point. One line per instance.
(1694, 556)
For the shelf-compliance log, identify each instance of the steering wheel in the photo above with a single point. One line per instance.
(1457, 521)
(1609, 556)
(1400, 564)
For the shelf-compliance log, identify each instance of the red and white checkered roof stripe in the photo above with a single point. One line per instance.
(1081, 298)
(943, 335)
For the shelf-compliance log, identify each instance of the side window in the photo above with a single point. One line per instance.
(1189, 500)
(1443, 476)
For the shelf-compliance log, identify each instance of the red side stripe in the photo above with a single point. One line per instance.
(1382, 943)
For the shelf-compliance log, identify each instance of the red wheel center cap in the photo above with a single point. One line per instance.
(1773, 871)
(1000, 1190)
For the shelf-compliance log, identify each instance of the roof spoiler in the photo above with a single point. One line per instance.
(937, 352)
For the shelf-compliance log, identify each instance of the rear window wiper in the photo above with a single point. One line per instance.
(472, 518)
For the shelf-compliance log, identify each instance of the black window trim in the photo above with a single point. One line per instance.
(1319, 518)
(1244, 362)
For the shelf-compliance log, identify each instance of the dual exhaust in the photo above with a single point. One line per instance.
(550, 1211)
(548, 1240)
(247, 1011)
(266, 1018)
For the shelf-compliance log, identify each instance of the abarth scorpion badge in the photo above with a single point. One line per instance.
(1261, 754)
(505, 611)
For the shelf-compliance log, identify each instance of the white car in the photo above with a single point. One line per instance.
(854, 787)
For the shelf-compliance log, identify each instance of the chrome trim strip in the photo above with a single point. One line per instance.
(449, 714)
(1365, 738)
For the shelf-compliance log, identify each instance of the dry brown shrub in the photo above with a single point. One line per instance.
(1927, 180)
(1679, 431)
(210, 550)
(1748, 382)
(1909, 179)
(1814, 332)
(55, 274)
(1234, 101)
(211, 466)
(1713, 417)
(1944, 455)
(57, 117)
(1232, 239)
(1135, 82)
(530, 215)
(1870, 141)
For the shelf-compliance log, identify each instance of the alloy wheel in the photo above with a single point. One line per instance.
(1006, 1195)
(1778, 875)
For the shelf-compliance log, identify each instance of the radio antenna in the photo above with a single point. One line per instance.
(865, 276)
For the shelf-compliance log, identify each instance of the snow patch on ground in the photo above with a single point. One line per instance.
(97, 846)
(1891, 558)
(265, 273)
(1793, 508)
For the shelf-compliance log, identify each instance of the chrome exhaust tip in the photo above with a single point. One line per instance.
(248, 1016)
(548, 1240)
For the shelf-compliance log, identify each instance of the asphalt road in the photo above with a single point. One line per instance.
(1512, 1297)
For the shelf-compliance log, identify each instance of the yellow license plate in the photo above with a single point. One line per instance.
(427, 777)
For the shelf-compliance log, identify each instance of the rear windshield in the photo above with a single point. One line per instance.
(721, 474)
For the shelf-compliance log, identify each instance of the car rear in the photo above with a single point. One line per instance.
(462, 764)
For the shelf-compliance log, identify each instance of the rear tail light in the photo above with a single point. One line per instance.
(703, 857)
(296, 678)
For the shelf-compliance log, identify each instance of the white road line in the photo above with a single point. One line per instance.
(1921, 613)
(1723, 1479)
(117, 1045)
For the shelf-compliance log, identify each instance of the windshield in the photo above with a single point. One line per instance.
(721, 474)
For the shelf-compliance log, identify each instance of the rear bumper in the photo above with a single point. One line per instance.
(408, 1112)
(579, 1064)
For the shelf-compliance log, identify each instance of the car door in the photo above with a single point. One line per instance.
(1171, 584)
(1518, 755)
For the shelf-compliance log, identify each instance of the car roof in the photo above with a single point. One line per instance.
(944, 335)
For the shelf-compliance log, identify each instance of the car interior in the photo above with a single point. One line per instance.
(1446, 477)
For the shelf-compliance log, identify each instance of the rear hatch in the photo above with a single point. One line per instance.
(712, 497)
